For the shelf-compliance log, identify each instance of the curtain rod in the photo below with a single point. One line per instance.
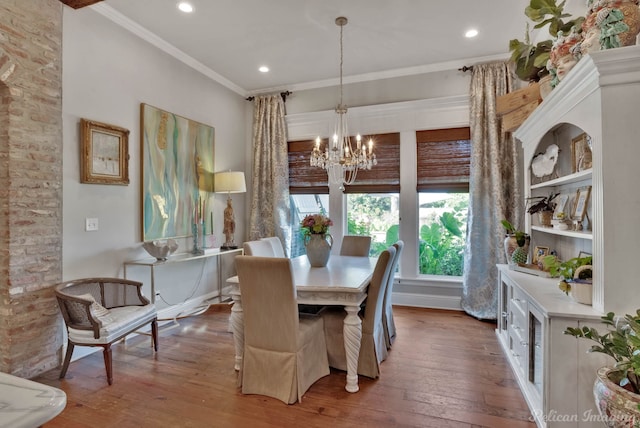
(466, 68)
(284, 96)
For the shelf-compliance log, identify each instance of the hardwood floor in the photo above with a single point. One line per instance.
(445, 369)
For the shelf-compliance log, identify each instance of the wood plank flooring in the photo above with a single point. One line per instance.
(445, 370)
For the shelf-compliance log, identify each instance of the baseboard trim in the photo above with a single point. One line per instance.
(427, 301)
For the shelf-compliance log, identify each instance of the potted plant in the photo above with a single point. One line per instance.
(531, 60)
(575, 276)
(616, 389)
(544, 206)
(516, 243)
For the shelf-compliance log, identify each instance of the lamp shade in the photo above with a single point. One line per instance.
(230, 182)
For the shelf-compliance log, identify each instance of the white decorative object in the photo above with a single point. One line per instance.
(161, 249)
(544, 163)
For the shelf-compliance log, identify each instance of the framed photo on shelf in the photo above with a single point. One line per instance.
(580, 204)
(539, 253)
(561, 203)
(104, 156)
(581, 157)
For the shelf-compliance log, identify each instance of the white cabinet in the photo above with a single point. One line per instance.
(554, 371)
(600, 97)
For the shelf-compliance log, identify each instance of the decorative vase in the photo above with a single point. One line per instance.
(545, 217)
(318, 246)
(618, 407)
(510, 246)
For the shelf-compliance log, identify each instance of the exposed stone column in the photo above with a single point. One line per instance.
(30, 184)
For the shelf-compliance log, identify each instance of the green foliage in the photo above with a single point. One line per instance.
(442, 246)
(520, 236)
(441, 243)
(621, 342)
(531, 59)
(564, 269)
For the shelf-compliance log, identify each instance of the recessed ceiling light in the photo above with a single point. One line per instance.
(471, 33)
(185, 7)
(264, 69)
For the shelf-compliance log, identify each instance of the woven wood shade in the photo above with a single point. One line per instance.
(385, 176)
(382, 178)
(304, 178)
(444, 160)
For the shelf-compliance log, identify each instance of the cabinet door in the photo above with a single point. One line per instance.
(537, 333)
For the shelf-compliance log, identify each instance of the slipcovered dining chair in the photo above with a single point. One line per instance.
(276, 244)
(354, 245)
(387, 314)
(258, 248)
(284, 352)
(101, 311)
(373, 349)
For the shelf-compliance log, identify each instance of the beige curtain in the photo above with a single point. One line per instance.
(269, 212)
(495, 190)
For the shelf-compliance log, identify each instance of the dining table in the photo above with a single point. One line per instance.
(342, 282)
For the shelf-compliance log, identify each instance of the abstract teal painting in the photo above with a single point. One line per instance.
(177, 166)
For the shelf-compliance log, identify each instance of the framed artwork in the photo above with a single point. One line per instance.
(581, 157)
(104, 153)
(177, 173)
(580, 204)
(561, 203)
(539, 253)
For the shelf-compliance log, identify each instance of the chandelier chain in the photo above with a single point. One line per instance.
(342, 158)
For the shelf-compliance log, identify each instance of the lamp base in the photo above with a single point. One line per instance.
(228, 247)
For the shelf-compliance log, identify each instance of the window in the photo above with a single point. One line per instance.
(443, 163)
(373, 200)
(309, 190)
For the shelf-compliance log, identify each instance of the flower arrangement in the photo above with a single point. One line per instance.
(315, 224)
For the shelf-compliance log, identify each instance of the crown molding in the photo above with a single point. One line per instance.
(118, 18)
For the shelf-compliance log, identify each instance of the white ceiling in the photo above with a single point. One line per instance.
(299, 40)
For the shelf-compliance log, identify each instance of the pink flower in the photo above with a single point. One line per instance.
(315, 224)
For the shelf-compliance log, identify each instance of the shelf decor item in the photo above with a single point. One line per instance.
(161, 249)
(317, 240)
(516, 244)
(575, 276)
(544, 206)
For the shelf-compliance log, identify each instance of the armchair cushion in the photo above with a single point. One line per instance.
(122, 320)
(78, 311)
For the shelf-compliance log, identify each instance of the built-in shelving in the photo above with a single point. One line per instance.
(576, 177)
(598, 97)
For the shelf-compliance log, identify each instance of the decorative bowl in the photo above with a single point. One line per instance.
(161, 249)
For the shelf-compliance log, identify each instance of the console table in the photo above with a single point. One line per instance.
(152, 263)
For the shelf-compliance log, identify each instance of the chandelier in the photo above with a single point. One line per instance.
(342, 158)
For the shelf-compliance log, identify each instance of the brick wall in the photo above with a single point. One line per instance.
(30, 185)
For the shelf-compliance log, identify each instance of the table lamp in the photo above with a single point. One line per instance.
(229, 182)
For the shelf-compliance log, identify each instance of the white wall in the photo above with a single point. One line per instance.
(107, 73)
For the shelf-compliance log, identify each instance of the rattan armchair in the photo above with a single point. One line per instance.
(101, 311)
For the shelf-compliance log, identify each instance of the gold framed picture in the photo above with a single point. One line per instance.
(539, 253)
(581, 157)
(581, 202)
(104, 153)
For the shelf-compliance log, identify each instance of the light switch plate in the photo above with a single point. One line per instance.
(91, 224)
